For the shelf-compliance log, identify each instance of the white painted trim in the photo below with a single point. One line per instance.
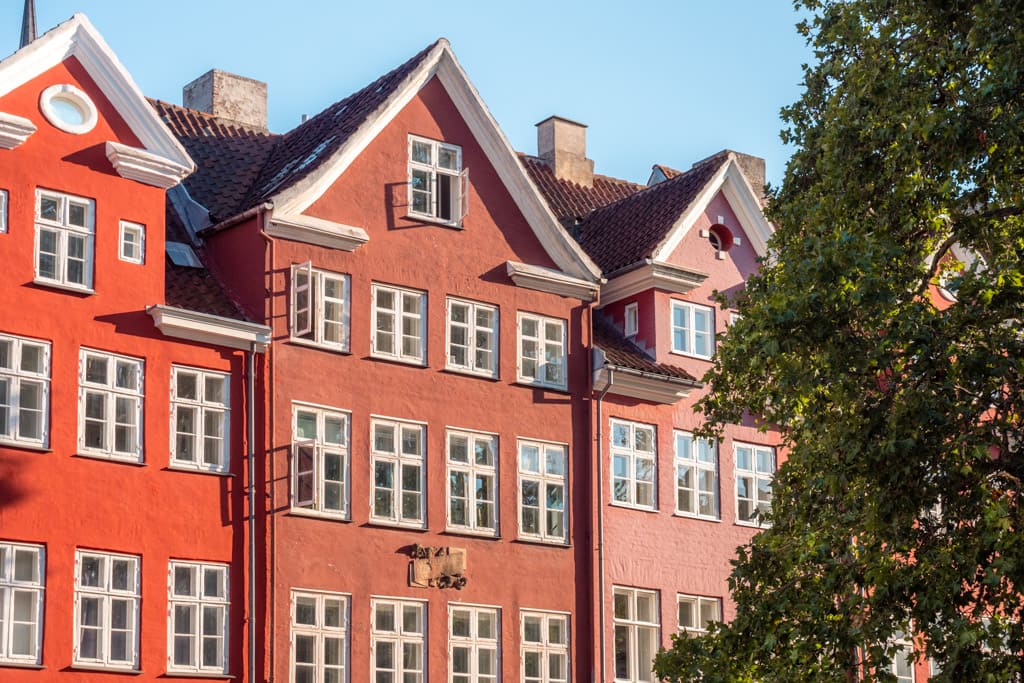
(77, 98)
(209, 329)
(650, 275)
(552, 281)
(77, 37)
(14, 130)
(634, 383)
(145, 167)
(318, 231)
(729, 179)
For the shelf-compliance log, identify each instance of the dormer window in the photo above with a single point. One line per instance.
(437, 182)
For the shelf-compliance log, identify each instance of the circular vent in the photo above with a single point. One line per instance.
(68, 108)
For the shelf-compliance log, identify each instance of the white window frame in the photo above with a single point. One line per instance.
(699, 604)
(13, 587)
(692, 456)
(308, 319)
(400, 637)
(107, 596)
(634, 457)
(545, 480)
(63, 231)
(688, 329)
(398, 315)
(15, 380)
(472, 473)
(310, 460)
(907, 652)
(638, 673)
(199, 603)
(320, 632)
(3, 211)
(433, 173)
(532, 368)
(473, 334)
(398, 460)
(474, 643)
(631, 319)
(203, 407)
(111, 393)
(756, 475)
(545, 648)
(139, 243)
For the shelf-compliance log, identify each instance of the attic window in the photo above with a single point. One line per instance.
(720, 237)
(68, 108)
(181, 254)
(438, 183)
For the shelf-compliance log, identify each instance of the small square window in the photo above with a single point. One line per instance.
(133, 243)
(696, 612)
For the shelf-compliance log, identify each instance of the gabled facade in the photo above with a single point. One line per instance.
(123, 511)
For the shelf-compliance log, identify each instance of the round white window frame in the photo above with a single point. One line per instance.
(77, 98)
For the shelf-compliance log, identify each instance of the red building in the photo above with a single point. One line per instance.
(123, 394)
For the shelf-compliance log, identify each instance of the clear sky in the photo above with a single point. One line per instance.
(656, 81)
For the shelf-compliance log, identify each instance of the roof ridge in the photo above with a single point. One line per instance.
(533, 158)
(158, 104)
(668, 182)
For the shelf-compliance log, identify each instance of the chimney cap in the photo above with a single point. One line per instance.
(561, 118)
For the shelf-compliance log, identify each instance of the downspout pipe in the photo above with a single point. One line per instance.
(602, 618)
(250, 429)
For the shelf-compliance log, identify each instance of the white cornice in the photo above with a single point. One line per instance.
(552, 281)
(210, 329)
(312, 230)
(78, 38)
(650, 275)
(14, 130)
(633, 383)
(138, 164)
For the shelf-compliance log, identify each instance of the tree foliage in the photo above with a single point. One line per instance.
(900, 507)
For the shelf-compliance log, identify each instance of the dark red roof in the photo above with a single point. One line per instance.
(667, 171)
(621, 352)
(570, 201)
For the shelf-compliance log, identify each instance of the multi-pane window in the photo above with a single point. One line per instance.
(474, 639)
(397, 460)
(3, 210)
(472, 337)
(65, 228)
(755, 467)
(320, 449)
(320, 307)
(693, 329)
(542, 491)
(437, 182)
(319, 637)
(902, 666)
(397, 632)
(696, 612)
(200, 409)
(696, 476)
(198, 608)
(399, 324)
(545, 647)
(542, 350)
(106, 609)
(634, 458)
(636, 634)
(132, 247)
(24, 391)
(472, 482)
(22, 582)
(110, 408)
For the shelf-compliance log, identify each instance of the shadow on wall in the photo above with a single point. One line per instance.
(9, 491)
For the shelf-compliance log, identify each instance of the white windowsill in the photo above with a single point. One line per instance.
(684, 354)
(15, 664)
(309, 343)
(63, 286)
(412, 362)
(486, 535)
(109, 458)
(524, 382)
(630, 506)
(699, 518)
(173, 467)
(177, 673)
(433, 220)
(390, 524)
(37, 447)
(752, 525)
(108, 668)
(471, 373)
(542, 542)
(317, 514)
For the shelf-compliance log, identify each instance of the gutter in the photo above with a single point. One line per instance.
(602, 618)
(250, 429)
(236, 219)
(693, 384)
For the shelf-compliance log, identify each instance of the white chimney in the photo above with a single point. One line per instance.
(228, 96)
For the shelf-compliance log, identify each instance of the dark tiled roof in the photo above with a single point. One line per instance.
(645, 217)
(570, 201)
(621, 352)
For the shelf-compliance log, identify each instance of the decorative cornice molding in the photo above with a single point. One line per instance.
(318, 231)
(145, 167)
(210, 329)
(551, 281)
(14, 130)
(650, 275)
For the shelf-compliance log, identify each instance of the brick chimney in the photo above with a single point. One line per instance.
(228, 96)
(563, 145)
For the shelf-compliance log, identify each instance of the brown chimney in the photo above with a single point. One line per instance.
(228, 96)
(563, 145)
(753, 168)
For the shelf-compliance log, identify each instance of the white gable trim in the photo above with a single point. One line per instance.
(312, 230)
(78, 38)
(741, 197)
(209, 329)
(14, 130)
(552, 281)
(441, 62)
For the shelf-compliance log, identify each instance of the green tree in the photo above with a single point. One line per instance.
(900, 508)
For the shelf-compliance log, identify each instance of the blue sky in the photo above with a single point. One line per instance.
(666, 82)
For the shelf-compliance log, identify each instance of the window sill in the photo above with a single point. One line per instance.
(35, 448)
(105, 669)
(5, 663)
(628, 506)
(316, 514)
(752, 525)
(433, 220)
(308, 343)
(198, 674)
(107, 458)
(696, 518)
(400, 361)
(403, 526)
(564, 389)
(85, 291)
(691, 355)
(197, 470)
(471, 373)
(541, 542)
(470, 533)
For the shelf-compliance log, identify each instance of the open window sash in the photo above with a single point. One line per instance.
(302, 295)
(304, 481)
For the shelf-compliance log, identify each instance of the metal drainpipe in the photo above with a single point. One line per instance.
(250, 428)
(600, 526)
(272, 564)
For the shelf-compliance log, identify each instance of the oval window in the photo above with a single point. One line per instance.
(68, 108)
